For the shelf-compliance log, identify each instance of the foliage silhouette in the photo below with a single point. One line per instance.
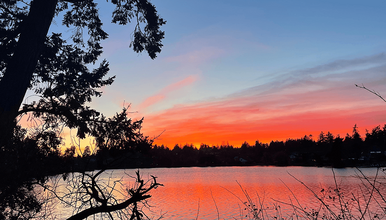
(327, 150)
(61, 75)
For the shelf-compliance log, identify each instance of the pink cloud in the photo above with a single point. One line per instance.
(275, 111)
(175, 86)
(221, 123)
(197, 56)
(152, 100)
(290, 105)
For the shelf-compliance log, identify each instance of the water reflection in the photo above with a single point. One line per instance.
(190, 193)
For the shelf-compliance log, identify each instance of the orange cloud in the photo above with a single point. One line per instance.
(290, 106)
(207, 128)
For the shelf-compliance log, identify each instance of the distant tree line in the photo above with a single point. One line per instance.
(324, 150)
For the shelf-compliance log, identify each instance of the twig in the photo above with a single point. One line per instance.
(297, 201)
(342, 210)
(372, 91)
(372, 190)
(198, 208)
(218, 213)
(316, 196)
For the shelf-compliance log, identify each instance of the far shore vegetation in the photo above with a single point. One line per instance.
(64, 74)
(353, 150)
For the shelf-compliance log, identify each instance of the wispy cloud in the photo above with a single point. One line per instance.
(335, 74)
(197, 56)
(342, 65)
(289, 106)
(152, 100)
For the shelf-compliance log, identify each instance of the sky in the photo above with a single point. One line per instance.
(235, 71)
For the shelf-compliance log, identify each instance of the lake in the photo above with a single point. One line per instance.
(215, 192)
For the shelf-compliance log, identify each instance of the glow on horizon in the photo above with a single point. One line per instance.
(231, 72)
(304, 102)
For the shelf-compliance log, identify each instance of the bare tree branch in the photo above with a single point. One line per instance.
(372, 91)
(105, 200)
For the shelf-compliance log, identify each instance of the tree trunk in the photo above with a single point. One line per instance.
(19, 71)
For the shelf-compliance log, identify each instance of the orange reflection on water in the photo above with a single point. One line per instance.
(223, 192)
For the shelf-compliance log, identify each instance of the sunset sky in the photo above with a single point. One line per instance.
(235, 71)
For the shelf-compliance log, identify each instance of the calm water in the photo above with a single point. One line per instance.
(197, 193)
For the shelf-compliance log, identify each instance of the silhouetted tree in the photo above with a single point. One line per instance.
(377, 137)
(86, 152)
(353, 145)
(60, 74)
(29, 56)
(328, 150)
(25, 164)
